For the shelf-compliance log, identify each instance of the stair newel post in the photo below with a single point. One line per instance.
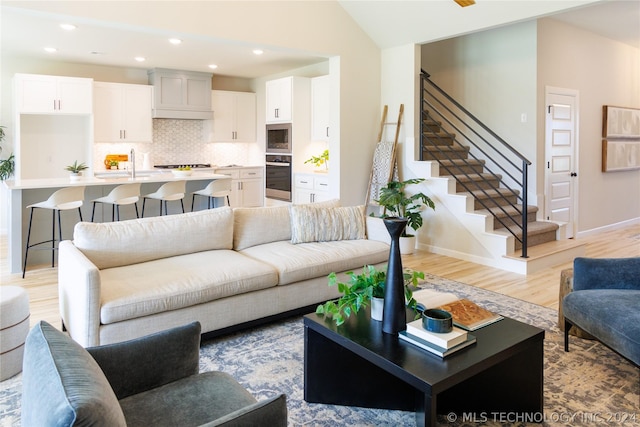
(394, 315)
(525, 205)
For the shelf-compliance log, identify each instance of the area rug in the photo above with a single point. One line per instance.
(590, 385)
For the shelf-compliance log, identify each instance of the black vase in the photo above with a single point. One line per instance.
(394, 316)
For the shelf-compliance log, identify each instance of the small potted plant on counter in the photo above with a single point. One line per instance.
(76, 170)
(396, 202)
(361, 289)
(322, 159)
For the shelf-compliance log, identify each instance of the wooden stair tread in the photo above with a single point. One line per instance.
(509, 211)
(547, 249)
(534, 228)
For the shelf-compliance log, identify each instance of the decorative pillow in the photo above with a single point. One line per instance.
(63, 385)
(311, 223)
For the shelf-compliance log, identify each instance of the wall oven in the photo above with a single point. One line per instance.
(278, 178)
(279, 138)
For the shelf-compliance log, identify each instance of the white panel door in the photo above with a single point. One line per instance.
(561, 163)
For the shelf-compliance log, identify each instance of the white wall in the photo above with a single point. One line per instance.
(493, 75)
(605, 72)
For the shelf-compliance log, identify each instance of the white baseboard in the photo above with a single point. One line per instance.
(609, 227)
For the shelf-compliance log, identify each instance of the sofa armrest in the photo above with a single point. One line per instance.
(142, 364)
(376, 230)
(606, 273)
(271, 412)
(79, 294)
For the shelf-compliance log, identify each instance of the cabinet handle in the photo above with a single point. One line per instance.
(124, 132)
(304, 182)
(327, 131)
(323, 184)
(277, 113)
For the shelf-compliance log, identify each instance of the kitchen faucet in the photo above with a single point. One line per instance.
(132, 159)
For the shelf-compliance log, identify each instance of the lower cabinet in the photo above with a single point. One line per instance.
(247, 186)
(310, 188)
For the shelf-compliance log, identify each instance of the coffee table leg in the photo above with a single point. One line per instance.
(425, 411)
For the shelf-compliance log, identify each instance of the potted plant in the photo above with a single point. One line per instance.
(320, 160)
(396, 202)
(7, 166)
(113, 164)
(75, 169)
(363, 288)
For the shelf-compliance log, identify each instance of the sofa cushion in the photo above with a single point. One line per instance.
(610, 315)
(310, 223)
(310, 260)
(63, 385)
(161, 285)
(256, 226)
(129, 242)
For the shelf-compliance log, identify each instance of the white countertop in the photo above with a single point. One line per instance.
(142, 177)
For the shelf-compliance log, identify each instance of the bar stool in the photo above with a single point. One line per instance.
(125, 194)
(62, 200)
(216, 188)
(172, 190)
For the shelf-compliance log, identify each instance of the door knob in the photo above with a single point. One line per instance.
(574, 174)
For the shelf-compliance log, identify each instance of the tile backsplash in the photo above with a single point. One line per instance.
(182, 141)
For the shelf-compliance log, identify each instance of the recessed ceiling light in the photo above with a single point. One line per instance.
(258, 51)
(175, 41)
(50, 49)
(213, 66)
(140, 58)
(68, 27)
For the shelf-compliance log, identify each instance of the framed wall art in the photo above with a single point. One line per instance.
(620, 138)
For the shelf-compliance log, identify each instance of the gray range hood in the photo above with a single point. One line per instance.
(180, 94)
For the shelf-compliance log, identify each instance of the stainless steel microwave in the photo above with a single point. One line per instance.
(279, 138)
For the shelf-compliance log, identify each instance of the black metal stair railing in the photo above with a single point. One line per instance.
(461, 144)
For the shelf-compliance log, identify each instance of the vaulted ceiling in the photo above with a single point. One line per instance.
(26, 30)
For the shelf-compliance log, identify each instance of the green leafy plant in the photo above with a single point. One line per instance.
(75, 167)
(7, 166)
(358, 291)
(394, 200)
(320, 160)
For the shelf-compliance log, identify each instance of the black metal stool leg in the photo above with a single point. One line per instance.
(144, 200)
(93, 211)
(53, 238)
(136, 206)
(182, 205)
(193, 198)
(26, 252)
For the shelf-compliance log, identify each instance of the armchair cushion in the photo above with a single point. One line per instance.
(606, 273)
(63, 385)
(611, 315)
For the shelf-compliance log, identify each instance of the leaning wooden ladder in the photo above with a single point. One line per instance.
(384, 167)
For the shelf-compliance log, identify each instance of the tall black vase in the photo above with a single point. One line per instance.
(394, 316)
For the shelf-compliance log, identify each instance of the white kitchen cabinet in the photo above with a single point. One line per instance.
(247, 186)
(279, 100)
(41, 94)
(309, 188)
(122, 112)
(234, 116)
(320, 108)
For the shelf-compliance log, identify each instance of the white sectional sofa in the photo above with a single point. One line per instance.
(222, 267)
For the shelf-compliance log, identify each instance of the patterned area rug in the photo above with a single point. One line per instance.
(590, 385)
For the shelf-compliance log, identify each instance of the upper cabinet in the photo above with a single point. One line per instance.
(41, 94)
(122, 112)
(279, 100)
(234, 116)
(320, 108)
(181, 94)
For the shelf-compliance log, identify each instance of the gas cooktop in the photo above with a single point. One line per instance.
(191, 165)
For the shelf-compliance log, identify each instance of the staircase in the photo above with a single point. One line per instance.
(490, 196)
(483, 181)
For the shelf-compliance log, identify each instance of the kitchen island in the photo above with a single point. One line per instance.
(24, 192)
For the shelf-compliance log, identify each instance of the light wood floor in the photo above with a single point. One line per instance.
(539, 288)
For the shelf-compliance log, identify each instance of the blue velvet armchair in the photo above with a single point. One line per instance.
(149, 381)
(605, 302)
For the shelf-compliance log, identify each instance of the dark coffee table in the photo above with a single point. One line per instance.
(356, 364)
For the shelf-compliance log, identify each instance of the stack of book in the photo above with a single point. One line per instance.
(438, 344)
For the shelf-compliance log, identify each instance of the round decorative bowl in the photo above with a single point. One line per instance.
(438, 321)
(181, 173)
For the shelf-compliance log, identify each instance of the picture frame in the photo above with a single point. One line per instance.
(620, 138)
